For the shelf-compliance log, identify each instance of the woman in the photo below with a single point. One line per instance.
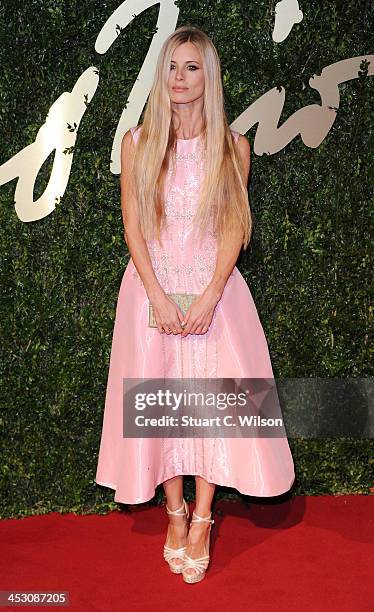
(184, 139)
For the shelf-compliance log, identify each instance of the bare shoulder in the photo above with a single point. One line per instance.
(127, 139)
(243, 145)
(245, 152)
(127, 151)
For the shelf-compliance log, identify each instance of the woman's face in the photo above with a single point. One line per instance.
(187, 74)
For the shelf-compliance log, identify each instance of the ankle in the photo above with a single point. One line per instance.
(176, 506)
(205, 512)
(199, 527)
(179, 529)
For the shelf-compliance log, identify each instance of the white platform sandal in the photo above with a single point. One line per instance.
(200, 565)
(176, 553)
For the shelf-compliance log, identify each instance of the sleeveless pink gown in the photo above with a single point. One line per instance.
(234, 346)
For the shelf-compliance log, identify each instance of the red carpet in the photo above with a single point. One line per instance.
(310, 553)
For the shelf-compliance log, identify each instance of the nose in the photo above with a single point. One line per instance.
(178, 74)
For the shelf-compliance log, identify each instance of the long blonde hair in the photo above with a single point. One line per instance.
(224, 182)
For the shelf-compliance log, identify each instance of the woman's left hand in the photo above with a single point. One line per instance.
(199, 315)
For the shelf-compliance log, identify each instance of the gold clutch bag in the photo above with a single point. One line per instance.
(183, 300)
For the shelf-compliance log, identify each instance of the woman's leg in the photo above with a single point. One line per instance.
(174, 493)
(198, 533)
(177, 528)
(204, 496)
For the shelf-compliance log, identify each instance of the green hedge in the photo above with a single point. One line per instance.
(307, 265)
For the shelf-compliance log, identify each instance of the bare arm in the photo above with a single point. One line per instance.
(228, 254)
(132, 233)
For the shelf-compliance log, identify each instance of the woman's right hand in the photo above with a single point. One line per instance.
(167, 313)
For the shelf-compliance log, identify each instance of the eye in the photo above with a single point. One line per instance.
(172, 66)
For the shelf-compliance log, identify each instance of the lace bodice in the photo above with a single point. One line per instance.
(183, 264)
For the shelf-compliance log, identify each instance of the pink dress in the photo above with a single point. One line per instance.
(234, 346)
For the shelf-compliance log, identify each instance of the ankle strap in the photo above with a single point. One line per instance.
(196, 518)
(178, 511)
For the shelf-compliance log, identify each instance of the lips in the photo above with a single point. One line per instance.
(179, 88)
